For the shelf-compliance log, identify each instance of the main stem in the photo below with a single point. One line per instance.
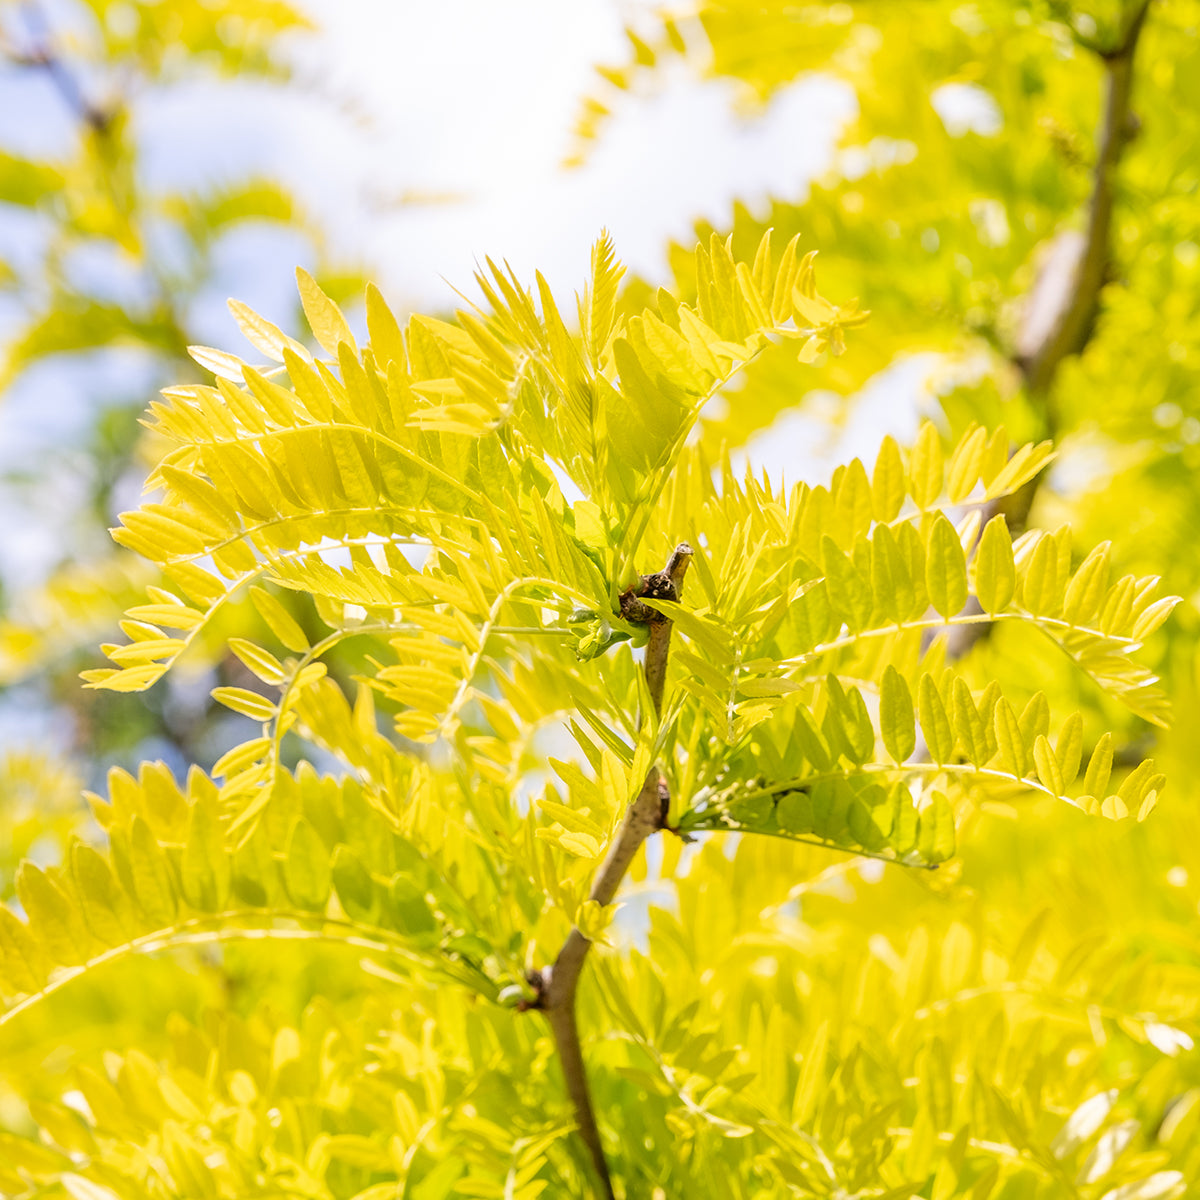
(560, 982)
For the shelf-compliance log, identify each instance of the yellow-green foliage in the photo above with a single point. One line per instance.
(411, 494)
(922, 922)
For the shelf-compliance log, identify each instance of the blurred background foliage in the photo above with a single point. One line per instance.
(113, 269)
(1017, 200)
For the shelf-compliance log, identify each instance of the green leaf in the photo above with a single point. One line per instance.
(410, 908)
(324, 317)
(249, 704)
(1040, 585)
(387, 341)
(810, 741)
(259, 332)
(1047, 765)
(26, 182)
(912, 552)
(353, 884)
(1086, 591)
(936, 837)
(925, 467)
(995, 574)
(897, 723)
(891, 580)
(106, 908)
(1019, 469)
(1095, 780)
(935, 724)
(22, 961)
(857, 732)
(887, 481)
(1009, 740)
(307, 874)
(1034, 719)
(598, 317)
(205, 868)
(853, 505)
(1068, 750)
(848, 590)
(151, 875)
(968, 724)
(1153, 617)
(812, 1075)
(261, 662)
(965, 464)
(794, 812)
(55, 921)
(281, 622)
(254, 872)
(945, 568)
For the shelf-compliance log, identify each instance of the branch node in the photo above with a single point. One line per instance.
(539, 982)
(662, 585)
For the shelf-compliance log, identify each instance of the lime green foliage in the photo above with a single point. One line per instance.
(310, 971)
(469, 501)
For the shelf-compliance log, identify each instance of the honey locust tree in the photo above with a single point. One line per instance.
(595, 664)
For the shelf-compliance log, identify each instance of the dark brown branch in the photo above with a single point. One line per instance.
(646, 815)
(1062, 308)
(1077, 269)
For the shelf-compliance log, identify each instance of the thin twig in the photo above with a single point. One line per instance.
(646, 815)
(44, 56)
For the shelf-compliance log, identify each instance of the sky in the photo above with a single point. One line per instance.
(424, 137)
(478, 100)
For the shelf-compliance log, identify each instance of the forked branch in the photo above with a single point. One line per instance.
(647, 814)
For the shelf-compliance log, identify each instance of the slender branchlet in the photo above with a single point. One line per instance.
(646, 815)
(45, 56)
